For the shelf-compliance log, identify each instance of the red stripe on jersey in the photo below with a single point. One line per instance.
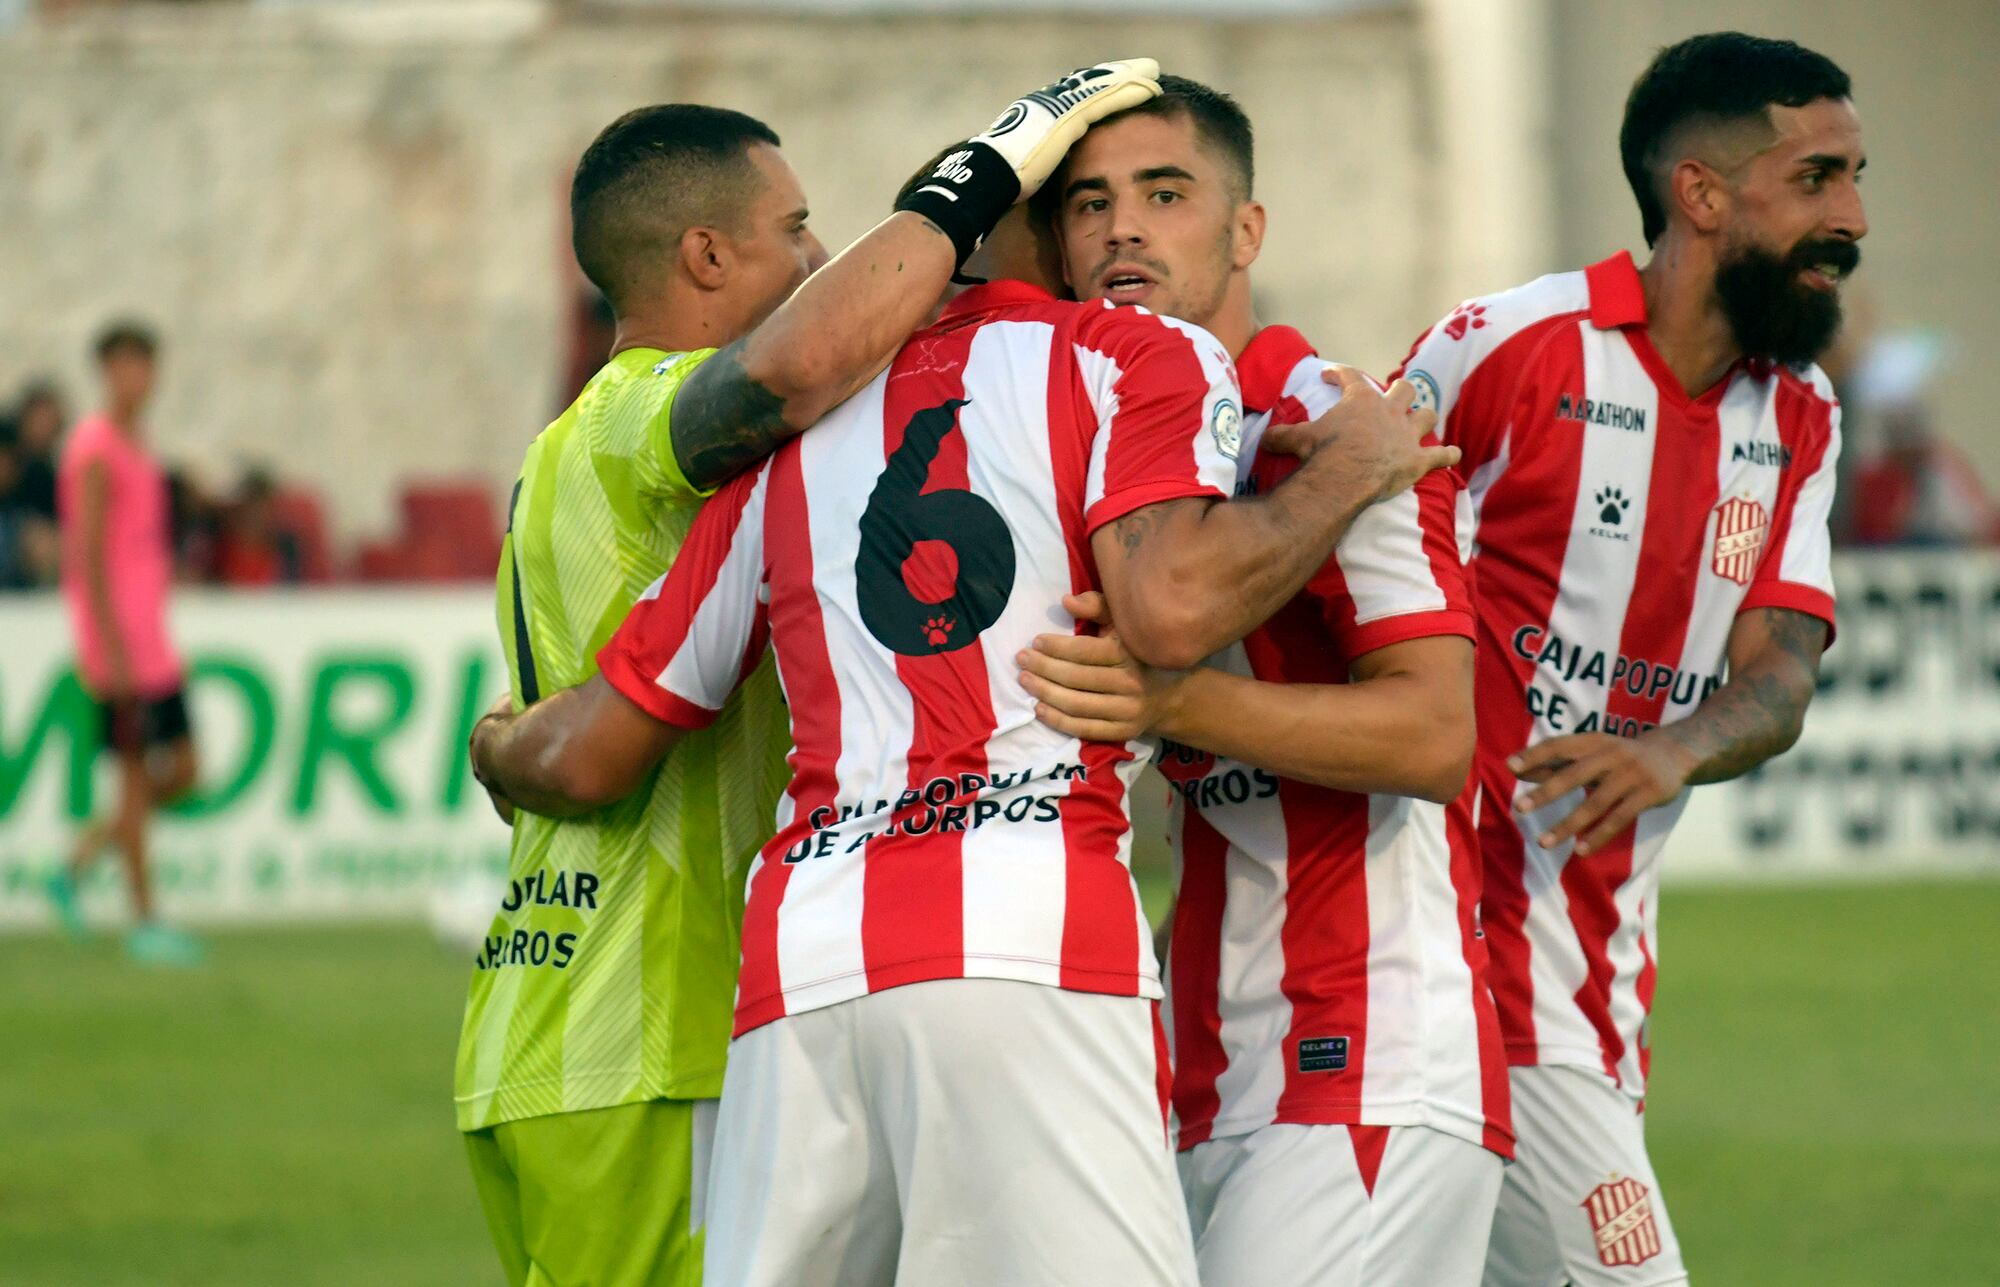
(1069, 459)
(1326, 942)
(634, 658)
(1101, 916)
(913, 886)
(1496, 1095)
(1518, 575)
(1671, 555)
(1163, 1071)
(799, 636)
(1648, 976)
(1370, 1142)
(1195, 959)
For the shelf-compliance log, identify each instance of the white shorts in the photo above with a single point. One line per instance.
(1580, 1204)
(1293, 1206)
(959, 1131)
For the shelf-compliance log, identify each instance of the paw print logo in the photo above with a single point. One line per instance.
(937, 630)
(1613, 505)
(1465, 317)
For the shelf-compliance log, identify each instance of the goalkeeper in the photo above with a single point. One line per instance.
(599, 1013)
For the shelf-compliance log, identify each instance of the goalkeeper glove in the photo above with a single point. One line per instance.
(974, 185)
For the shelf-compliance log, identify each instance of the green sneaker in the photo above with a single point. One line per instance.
(152, 943)
(61, 890)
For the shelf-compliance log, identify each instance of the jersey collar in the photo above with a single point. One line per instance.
(987, 296)
(1616, 296)
(1265, 363)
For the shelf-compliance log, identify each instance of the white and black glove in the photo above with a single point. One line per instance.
(976, 184)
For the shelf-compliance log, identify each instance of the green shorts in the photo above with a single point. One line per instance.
(603, 1198)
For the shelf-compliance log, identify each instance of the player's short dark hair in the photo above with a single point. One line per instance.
(651, 175)
(1721, 78)
(1218, 121)
(127, 334)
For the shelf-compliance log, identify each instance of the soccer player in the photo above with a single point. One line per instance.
(117, 572)
(946, 1065)
(1651, 461)
(598, 1017)
(1338, 1079)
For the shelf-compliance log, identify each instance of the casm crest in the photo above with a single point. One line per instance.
(1740, 527)
(1621, 1217)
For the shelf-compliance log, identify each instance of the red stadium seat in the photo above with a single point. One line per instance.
(300, 513)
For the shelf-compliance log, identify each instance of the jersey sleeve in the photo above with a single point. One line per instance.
(1468, 393)
(1398, 573)
(1168, 413)
(1796, 571)
(642, 427)
(699, 630)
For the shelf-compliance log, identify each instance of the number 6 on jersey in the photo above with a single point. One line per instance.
(951, 542)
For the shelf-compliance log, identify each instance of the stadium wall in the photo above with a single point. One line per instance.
(333, 724)
(349, 220)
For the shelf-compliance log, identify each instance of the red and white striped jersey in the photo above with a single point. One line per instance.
(1619, 528)
(1324, 966)
(899, 555)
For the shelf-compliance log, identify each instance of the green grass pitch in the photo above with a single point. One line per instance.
(1823, 1112)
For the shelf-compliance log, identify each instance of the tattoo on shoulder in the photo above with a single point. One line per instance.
(724, 421)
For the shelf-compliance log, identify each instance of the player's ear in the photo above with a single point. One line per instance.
(1700, 194)
(1247, 234)
(705, 257)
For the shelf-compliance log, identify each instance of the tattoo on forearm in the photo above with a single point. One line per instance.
(724, 421)
(1759, 713)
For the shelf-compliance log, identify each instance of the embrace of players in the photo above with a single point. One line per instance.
(848, 601)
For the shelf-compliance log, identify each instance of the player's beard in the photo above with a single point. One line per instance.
(1773, 313)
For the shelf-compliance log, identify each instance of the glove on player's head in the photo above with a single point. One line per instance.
(1038, 129)
(972, 186)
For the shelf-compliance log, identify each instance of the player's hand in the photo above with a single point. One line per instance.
(1089, 686)
(488, 725)
(1622, 778)
(1377, 434)
(1037, 130)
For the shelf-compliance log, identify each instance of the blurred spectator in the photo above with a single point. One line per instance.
(15, 571)
(252, 548)
(29, 550)
(194, 524)
(39, 417)
(1913, 487)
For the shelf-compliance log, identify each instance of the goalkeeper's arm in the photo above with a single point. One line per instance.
(851, 316)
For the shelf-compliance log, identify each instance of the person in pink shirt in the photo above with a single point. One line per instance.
(117, 568)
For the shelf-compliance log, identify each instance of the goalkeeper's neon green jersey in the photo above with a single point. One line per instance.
(609, 974)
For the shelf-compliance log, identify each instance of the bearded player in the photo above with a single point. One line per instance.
(599, 1014)
(1650, 454)
(1338, 1079)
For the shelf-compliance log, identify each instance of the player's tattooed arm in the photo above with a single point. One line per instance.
(570, 753)
(725, 420)
(821, 345)
(1773, 668)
